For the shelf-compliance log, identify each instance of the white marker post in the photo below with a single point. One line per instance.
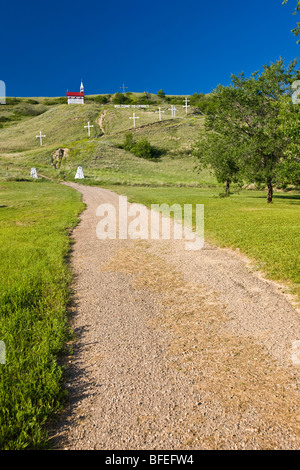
(89, 128)
(159, 113)
(40, 137)
(173, 110)
(2, 352)
(79, 174)
(33, 173)
(134, 117)
(186, 105)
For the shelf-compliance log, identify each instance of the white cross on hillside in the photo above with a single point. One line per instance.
(134, 117)
(123, 87)
(186, 105)
(173, 110)
(159, 113)
(89, 128)
(40, 137)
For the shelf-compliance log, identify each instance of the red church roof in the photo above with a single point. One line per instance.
(74, 93)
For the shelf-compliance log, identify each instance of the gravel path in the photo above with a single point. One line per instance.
(175, 349)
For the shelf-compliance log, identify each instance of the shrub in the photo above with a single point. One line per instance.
(129, 142)
(174, 100)
(161, 94)
(144, 100)
(120, 98)
(54, 101)
(102, 99)
(141, 149)
(31, 101)
(204, 103)
(12, 101)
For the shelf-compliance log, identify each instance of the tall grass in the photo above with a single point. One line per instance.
(60, 124)
(34, 291)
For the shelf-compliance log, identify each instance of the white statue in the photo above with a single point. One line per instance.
(79, 174)
(33, 173)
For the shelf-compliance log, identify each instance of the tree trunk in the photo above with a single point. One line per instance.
(227, 184)
(270, 191)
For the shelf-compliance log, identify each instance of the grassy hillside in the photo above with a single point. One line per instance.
(60, 124)
(106, 163)
(102, 160)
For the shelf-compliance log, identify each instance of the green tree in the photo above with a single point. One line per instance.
(249, 113)
(295, 30)
(220, 155)
(202, 102)
(290, 127)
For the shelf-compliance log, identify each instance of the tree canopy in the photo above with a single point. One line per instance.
(295, 30)
(249, 122)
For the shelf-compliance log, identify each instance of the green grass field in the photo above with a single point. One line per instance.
(269, 234)
(34, 292)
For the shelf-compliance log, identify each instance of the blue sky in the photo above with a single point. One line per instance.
(183, 47)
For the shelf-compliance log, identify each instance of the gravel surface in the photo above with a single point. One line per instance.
(175, 349)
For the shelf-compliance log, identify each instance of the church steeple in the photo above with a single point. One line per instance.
(81, 87)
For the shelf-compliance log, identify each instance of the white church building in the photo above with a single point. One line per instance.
(76, 97)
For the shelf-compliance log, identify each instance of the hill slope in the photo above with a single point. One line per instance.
(103, 161)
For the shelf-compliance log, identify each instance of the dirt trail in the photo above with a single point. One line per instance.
(175, 349)
(100, 121)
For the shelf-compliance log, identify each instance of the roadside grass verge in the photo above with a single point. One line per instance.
(269, 234)
(35, 218)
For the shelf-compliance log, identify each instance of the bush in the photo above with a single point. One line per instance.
(175, 100)
(54, 101)
(12, 101)
(144, 100)
(129, 142)
(102, 99)
(141, 149)
(31, 101)
(120, 98)
(197, 98)
(161, 94)
(204, 103)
